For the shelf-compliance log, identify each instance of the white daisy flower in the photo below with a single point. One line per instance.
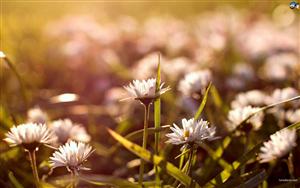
(280, 144)
(238, 115)
(145, 89)
(36, 115)
(72, 155)
(253, 98)
(293, 116)
(193, 132)
(66, 130)
(195, 82)
(30, 136)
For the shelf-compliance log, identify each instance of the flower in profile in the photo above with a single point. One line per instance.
(280, 144)
(192, 132)
(66, 130)
(195, 82)
(30, 136)
(36, 115)
(72, 155)
(144, 90)
(252, 97)
(239, 115)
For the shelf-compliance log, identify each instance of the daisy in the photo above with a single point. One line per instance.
(66, 130)
(72, 155)
(239, 115)
(280, 144)
(253, 98)
(36, 115)
(144, 90)
(30, 136)
(195, 82)
(192, 132)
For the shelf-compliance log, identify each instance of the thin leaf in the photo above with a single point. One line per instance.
(203, 102)
(14, 180)
(216, 97)
(254, 181)
(138, 134)
(157, 109)
(252, 178)
(157, 160)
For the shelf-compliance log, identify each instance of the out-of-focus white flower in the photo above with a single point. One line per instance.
(252, 98)
(195, 82)
(244, 71)
(176, 68)
(30, 136)
(2, 54)
(283, 94)
(261, 38)
(238, 115)
(66, 130)
(193, 132)
(147, 66)
(72, 155)
(280, 67)
(145, 89)
(36, 115)
(281, 143)
(293, 116)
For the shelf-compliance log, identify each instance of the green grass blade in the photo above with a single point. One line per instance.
(203, 102)
(138, 134)
(157, 160)
(254, 181)
(14, 180)
(216, 97)
(157, 109)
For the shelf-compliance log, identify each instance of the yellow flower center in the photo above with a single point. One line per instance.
(186, 133)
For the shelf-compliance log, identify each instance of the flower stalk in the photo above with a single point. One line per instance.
(32, 159)
(145, 138)
(190, 163)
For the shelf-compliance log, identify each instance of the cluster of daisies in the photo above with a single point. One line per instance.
(70, 140)
(246, 108)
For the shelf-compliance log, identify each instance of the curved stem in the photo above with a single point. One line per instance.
(32, 159)
(145, 138)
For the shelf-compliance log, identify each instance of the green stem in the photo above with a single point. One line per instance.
(190, 163)
(145, 138)
(32, 159)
